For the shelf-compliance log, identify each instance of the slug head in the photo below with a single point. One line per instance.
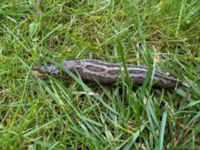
(72, 65)
(50, 69)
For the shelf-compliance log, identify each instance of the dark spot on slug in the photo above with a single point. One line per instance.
(135, 72)
(94, 68)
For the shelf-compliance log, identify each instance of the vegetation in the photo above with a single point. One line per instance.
(70, 114)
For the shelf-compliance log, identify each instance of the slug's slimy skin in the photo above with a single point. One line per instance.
(108, 73)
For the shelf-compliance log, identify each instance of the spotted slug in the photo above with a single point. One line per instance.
(108, 73)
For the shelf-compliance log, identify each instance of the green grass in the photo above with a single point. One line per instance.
(70, 114)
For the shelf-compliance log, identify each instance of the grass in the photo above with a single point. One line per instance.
(70, 114)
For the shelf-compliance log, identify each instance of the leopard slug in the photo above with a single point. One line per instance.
(109, 73)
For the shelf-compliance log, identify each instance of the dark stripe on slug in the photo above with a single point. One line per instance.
(164, 76)
(135, 66)
(136, 71)
(160, 74)
(101, 63)
(131, 71)
(95, 68)
(111, 65)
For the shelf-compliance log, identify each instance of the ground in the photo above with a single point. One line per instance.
(38, 113)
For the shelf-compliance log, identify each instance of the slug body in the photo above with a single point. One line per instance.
(109, 73)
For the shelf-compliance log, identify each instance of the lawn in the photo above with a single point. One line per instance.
(37, 113)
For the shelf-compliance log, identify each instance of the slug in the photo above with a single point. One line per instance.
(108, 73)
